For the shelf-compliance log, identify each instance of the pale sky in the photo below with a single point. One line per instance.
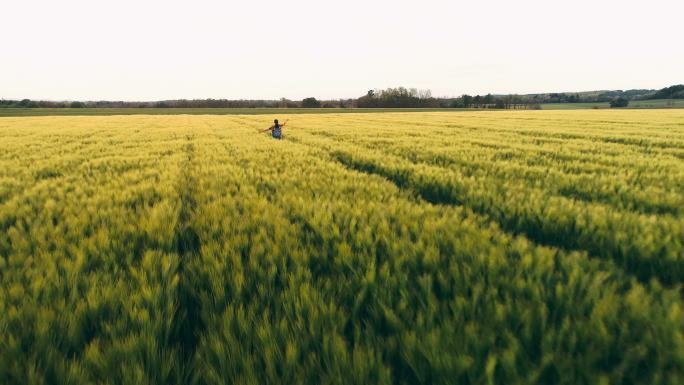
(153, 50)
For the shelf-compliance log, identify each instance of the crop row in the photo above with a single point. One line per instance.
(87, 258)
(626, 188)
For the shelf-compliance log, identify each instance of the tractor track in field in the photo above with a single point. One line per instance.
(187, 323)
(642, 269)
(639, 207)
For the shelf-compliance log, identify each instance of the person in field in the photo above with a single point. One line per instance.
(276, 129)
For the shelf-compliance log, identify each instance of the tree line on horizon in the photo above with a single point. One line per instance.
(399, 97)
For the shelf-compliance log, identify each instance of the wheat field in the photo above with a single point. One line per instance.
(527, 247)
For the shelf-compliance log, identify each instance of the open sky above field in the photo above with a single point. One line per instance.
(151, 50)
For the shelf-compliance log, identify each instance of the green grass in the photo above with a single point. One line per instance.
(200, 111)
(573, 106)
(657, 103)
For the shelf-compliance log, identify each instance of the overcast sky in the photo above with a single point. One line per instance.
(152, 50)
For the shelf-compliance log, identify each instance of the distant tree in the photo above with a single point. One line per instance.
(619, 102)
(467, 100)
(27, 103)
(76, 104)
(287, 103)
(366, 101)
(310, 103)
(673, 92)
(478, 101)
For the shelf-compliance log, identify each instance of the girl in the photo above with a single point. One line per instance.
(276, 129)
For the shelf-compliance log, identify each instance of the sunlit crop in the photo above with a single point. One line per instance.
(532, 247)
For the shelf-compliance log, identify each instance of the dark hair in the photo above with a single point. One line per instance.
(275, 121)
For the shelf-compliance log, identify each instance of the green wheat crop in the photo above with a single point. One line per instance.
(538, 247)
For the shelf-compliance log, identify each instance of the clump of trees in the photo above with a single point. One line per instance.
(619, 102)
(672, 92)
(399, 97)
(24, 103)
(492, 101)
(310, 103)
